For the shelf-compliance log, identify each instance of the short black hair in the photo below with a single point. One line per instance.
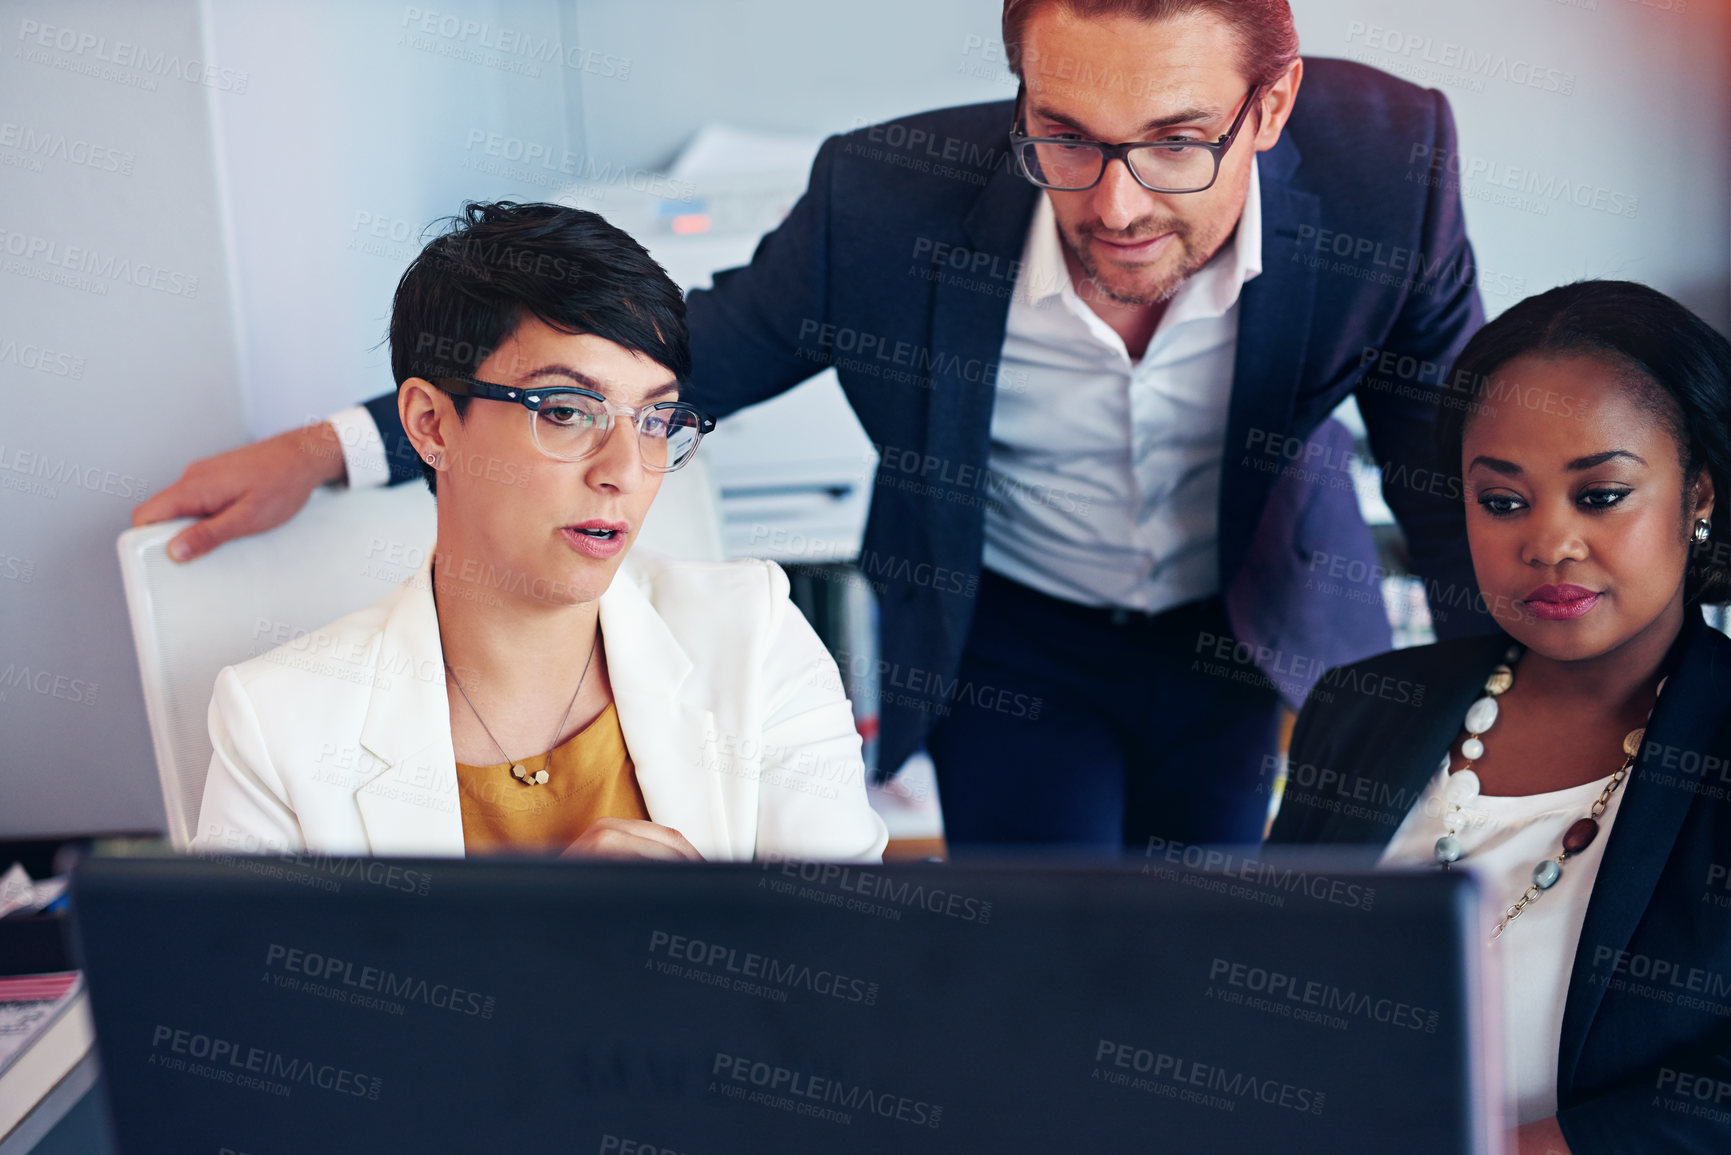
(500, 262)
(1679, 365)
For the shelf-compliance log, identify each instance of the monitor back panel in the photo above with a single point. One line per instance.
(269, 1006)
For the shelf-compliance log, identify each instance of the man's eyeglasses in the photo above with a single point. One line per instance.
(568, 423)
(1067, 164)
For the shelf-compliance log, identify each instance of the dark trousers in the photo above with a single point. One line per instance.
(1137, 728)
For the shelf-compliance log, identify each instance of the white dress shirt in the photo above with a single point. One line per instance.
(1106, 471)
(363, 448)
(1502, 838)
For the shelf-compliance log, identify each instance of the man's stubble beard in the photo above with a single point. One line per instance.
(1161, 293)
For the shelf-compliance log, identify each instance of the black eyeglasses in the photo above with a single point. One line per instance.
(1067, 164)
(568, 423)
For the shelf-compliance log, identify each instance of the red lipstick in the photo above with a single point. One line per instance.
(1557, 603)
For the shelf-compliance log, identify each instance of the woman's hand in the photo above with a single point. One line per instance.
(630, 838)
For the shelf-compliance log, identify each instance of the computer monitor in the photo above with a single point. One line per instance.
(267, 1006)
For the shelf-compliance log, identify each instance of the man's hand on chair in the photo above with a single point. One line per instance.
(246, 490)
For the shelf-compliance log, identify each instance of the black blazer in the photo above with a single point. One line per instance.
(896, 268)
(1647, 1019)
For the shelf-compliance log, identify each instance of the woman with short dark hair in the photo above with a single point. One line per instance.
(531, 689)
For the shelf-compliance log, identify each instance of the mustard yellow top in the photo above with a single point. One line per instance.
(590, 777)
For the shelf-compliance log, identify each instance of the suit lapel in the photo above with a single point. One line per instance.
(967, 319)
(411, 806)
(1687, 717)
(1274, 316)
(672, 741)
(968, 322)
(967, 331)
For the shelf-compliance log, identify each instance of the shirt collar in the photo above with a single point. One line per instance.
(1211, 291)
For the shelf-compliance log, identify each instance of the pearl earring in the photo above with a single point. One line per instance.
(1703, 529)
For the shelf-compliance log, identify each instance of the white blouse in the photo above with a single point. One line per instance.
(1502, 838)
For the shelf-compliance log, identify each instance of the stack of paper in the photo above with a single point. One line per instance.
(45, 1030)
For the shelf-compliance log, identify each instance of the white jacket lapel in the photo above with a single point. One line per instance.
(411, 806)
(670, 738)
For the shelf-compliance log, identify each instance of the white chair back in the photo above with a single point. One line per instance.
(344, 551)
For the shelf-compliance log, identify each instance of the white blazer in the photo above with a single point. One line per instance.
(732, 710)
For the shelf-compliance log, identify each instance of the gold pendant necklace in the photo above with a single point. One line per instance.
(519, 771)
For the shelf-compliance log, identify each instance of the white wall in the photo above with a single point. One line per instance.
(360, 129)
(1627, 109)
(112, 271)
(341, 127)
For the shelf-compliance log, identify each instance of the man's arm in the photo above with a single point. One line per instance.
(1441, 312)
(754, 333)
(246, 490)
(259, 486)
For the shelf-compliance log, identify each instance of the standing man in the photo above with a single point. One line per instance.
(1096, 334)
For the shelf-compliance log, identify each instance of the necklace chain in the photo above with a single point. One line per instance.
(1531, 894)
(518, 771)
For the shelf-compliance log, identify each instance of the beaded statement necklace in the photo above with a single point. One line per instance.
(1462, 787)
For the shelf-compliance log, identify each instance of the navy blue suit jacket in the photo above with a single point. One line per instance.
(1647, 1017)
(896, 268)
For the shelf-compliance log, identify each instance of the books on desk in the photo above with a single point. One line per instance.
(45, 1030)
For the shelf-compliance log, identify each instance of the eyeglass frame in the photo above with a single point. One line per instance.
(534, 399)
(1121, 152)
